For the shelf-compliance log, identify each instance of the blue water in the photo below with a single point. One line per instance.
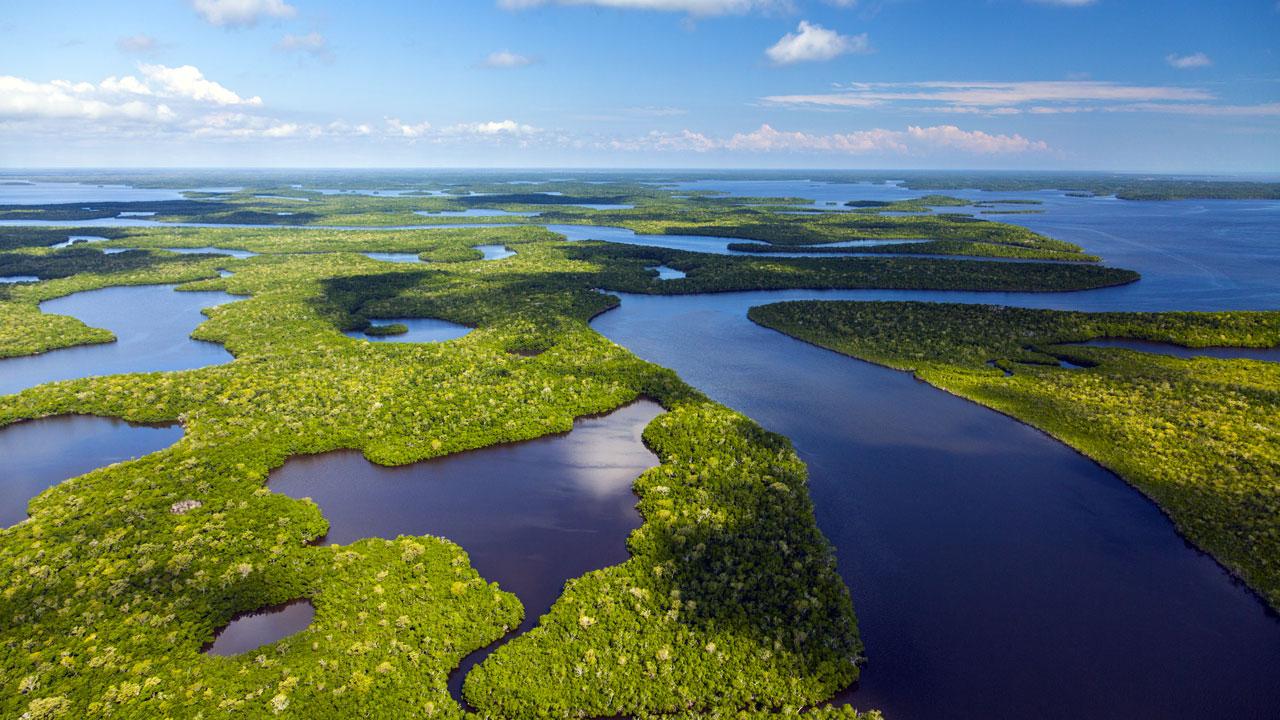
(420, 330)
(41, 453)
(152, 324)
(495, 252)
(996, 572)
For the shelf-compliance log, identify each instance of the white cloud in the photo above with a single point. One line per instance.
(59, 99)
(692, 7)
(1186, 62)
(913, 140)
(812, 42)
(507, 59)
(501, 127)
(407, 130)
(313, 44)
(188, 82)
(241, 13)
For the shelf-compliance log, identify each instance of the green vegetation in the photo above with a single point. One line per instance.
(1198, 436)
(730, 601)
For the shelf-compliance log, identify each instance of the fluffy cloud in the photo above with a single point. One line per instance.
(500, 127)
(1186, 62)
(241, 13)
(911, 141)
(692, 7)
(812, 42)
(506, 59)
(162, 95)
(188, 82)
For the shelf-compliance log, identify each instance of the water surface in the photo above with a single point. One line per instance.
(39, 454)
(152, 325)
(1224, 353)
(420, 330)
(495, 252)
(531, 515)
(251, 630)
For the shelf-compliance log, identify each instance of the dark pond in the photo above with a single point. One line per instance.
(251, 630)
(38, 454)
(152, 324)
(1226, 353)
(420, 330)
(531, 515)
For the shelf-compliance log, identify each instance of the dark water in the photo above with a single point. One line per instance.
(38, 454)
(1225, 353)
(531, 515)
(420, 330)
(152, 324)
(474, 212)
(251, 630)
(996, 572)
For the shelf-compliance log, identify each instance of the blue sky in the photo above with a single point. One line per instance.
(1172, 85)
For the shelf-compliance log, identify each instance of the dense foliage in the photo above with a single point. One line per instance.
(1199, 436)
(109, 594)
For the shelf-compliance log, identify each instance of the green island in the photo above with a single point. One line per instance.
(1195, 435)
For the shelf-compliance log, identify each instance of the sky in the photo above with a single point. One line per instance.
(1121, 85)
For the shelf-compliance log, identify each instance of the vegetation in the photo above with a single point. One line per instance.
(1198, 436)
(109, 595)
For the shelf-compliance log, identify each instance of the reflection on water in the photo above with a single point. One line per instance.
(251, 630)
(420, 330)
(38, 454)
(531, 515)
(212, 251)
(474, 212)
(19, 279)
(152, 325)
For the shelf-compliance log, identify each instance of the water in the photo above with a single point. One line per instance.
(495, 252)
(394, 257)
(699, 243)
(212, 251)
(39, 454)
(420, 330)
(1225, 353)
(531, 515)
(19, 279)
(251, 630)
(474, 212)
(667, 273)
(79, 240)
(152, 324)
(46, 193)
(995, 571)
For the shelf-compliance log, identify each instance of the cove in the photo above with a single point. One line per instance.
(531, 515)
(152, 325)
(39, 454)
(251, 630)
